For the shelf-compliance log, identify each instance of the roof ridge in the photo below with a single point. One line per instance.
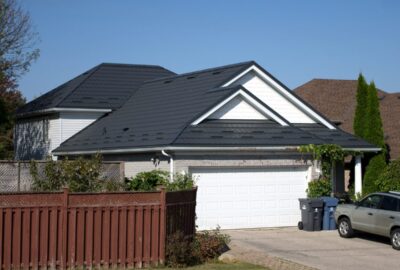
(131, 65)
(202, 71)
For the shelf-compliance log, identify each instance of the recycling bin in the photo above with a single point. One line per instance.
(328, 220)
(311, 214)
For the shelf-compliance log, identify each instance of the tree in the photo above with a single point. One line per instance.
(360, 119)
(17, 53)
(374, 131)
(17, 42)
(375, 168)
(389, 179)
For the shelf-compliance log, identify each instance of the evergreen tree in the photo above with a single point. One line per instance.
(360, 117)
(375, 168)
(374, 130)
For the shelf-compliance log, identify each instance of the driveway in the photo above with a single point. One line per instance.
(289, 248)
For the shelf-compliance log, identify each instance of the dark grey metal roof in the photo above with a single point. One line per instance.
(244, 133)
(335, 136)
(106, 86)
(158, 112)
(161, 111)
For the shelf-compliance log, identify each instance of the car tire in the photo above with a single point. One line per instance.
(395, 239)
(344, 228)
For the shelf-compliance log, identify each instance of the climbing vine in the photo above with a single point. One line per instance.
(326, 154)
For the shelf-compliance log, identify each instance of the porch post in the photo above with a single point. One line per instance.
(358, 175)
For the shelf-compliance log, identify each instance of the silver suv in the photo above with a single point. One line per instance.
(378, 213)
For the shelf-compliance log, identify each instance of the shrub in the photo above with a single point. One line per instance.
(181, 182)
(182, 251)
(319, 187)
(147, 181)
(374, 169)
(80, 175)
(389, 179)
(209, 245)
(179, 250)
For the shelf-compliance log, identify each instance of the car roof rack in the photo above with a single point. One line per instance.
(395, 192)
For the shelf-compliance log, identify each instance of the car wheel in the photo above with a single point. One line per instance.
(395, 239)
(344, 228)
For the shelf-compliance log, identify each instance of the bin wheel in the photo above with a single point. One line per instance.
(344, 228)
(300, 225)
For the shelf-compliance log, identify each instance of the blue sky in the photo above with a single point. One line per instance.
(294, 40)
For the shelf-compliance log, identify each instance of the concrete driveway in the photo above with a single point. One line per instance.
(289, 248)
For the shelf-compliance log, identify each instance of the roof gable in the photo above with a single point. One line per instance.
(276, 95)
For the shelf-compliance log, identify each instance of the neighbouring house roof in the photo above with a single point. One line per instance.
(161, 111)
(106, 86)
(336, 99)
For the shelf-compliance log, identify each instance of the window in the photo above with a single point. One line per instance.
(390, 203)
(371, 201)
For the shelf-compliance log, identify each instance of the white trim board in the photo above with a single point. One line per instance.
(306, 109)
(260, 107)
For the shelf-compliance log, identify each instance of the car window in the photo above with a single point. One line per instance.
(371, 201)
(390, 203)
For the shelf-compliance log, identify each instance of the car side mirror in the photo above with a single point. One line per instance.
(357, 203)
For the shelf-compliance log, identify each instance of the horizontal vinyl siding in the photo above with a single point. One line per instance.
(73, 122)
(272, 98)
(31, 139)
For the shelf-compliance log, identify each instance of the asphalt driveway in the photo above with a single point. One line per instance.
(289, 248)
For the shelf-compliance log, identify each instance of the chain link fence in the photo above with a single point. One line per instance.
(16, 176)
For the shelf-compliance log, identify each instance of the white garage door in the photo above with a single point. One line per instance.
(249, 197)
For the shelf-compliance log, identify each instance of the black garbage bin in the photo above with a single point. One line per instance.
(311, 214)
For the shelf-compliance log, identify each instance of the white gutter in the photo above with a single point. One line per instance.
(197, 148)
(171, 165)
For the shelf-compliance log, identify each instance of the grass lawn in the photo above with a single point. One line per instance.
(224, 266)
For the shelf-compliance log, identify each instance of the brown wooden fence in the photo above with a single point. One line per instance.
(68, 230)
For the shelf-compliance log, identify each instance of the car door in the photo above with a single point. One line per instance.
(386, 215)
(364, 215)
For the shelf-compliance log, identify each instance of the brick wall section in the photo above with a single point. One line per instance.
(135, 163)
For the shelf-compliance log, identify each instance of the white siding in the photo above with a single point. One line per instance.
(273, 98)
(31, 139)
(73, 122)
(54, 134)
(237, 108)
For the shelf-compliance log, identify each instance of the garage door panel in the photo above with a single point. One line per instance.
(249, 197)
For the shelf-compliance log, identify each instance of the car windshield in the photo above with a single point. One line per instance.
(371, 201)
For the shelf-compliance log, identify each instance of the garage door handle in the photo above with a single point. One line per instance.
(370, 214)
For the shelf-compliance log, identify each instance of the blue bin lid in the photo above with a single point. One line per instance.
(329, 201)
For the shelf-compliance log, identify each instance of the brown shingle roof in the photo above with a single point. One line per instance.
(336, 99)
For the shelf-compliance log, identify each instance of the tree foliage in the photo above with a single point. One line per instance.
(17, 41)
(17, 53)
(389, 179)
(360, 119)
(79, 175)
(375, 167)
(374, 130)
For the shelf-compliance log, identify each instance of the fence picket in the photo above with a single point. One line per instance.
(71, 230)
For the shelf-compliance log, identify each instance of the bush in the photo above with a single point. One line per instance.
(319, 187)
(182, 251)
(389, 179)
(374, 169)
(179, 250)
(149, 181)
(209, 245)
(80, 175)
(181, 182)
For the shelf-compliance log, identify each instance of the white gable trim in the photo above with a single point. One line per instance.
(284, 92)
(248, 99)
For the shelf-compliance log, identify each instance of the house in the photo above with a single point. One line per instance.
(235, 128)
(336, 100)
(44, 123)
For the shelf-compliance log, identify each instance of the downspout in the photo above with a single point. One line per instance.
(171, 165)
